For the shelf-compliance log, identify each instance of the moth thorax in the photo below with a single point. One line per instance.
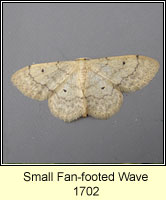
(85, 58)
(82, 74)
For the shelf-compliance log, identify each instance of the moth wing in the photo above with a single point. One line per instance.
(128, 73)
(38, 81)
(67, 101)
(103, 99)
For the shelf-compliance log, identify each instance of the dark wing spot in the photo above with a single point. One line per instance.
(102, 88)
(64, 90)
(124, 63)
(42, 70)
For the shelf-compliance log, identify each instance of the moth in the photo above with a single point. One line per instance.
(85, 86)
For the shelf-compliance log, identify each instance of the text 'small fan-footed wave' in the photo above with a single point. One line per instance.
(84, 86)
